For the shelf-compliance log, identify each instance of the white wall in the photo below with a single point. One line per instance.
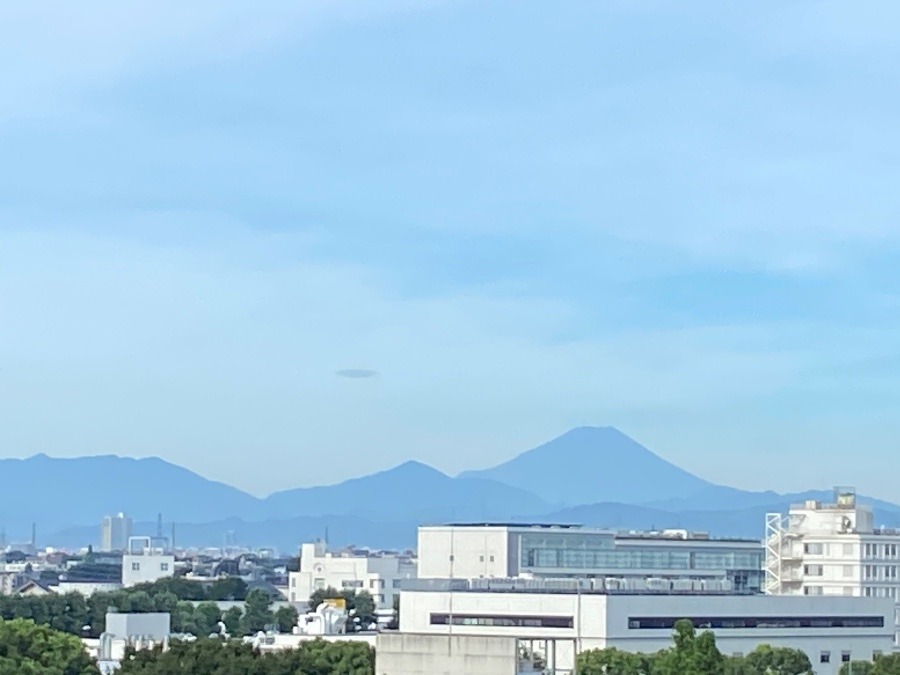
(380, 576)
(146, 568)
(477, 552)
(601, 621)
(408, 654)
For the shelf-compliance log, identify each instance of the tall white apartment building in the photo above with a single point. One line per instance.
(378, 573)
(115, 531)
(832, 549)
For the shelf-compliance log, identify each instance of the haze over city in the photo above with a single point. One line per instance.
(291, 245)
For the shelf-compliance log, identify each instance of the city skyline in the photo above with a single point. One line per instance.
(293, 247)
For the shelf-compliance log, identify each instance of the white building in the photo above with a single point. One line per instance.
(378, 573)
(832, 549)
(582, 615)
(145, 562)
(505, 550)
(115, 531)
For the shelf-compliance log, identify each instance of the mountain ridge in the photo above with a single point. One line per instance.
(614, 482)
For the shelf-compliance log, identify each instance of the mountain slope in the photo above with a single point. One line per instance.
(591, 464)
(411, 491)
(59, 492)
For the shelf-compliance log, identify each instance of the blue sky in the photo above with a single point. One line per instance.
(523, 216)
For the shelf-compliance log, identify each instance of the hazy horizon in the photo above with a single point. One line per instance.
(289, 245)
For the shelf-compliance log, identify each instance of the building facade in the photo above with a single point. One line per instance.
(473, 551)
(588, 615)
(115, 531)
(820, 549)
(145, 562)
(378, 573)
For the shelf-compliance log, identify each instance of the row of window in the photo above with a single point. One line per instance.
(506, 621)
(654, 560)
(880, 550)
(868, 591)
(849, 550)
(726, 622)
(849, 571)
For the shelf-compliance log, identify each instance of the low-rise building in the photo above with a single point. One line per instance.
(579, 615)
(377, 572)
(503, 550)
(145, 562)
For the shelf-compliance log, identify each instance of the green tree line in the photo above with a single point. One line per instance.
(694, 653)
(27, 648)
(75, 614)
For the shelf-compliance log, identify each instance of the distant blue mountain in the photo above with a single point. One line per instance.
(591, 464)
(60, 492)
(594, 476)
(410, 492)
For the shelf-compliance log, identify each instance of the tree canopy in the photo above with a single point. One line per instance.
(27, 648)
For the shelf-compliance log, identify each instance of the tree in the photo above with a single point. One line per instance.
(612, 662)
(256, 612)
(286, 618)
(228, 588)
(768, 660)
(320, 595)
(692, 654)
(363, 608)
(232, 620)
(857, 668)
(887, 664)
(207, 616)
(27, 648)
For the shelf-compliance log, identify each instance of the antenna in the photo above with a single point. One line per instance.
(173, 537)
(159, 533)
(34, 535)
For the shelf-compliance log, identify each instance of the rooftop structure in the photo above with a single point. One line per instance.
(503, 550)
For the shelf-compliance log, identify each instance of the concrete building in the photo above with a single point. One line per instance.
(505, 550)
(832, 549)
(145, 561)
(115, 531)
(578, 615)
(378, 573)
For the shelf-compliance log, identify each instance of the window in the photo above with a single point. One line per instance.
(813, 590)
(351, 583)
(492, 559)
(481, 558)
(293, 582)
(509, 621)
(848, 571)
(319, 584)
(845, 657)
(813, 570)
(767, 622)
(451, 557)
(396, 583)
(848, 590)
(825, 657)
(163, 567)
(813, 549)
(848, 550)
(135, 567)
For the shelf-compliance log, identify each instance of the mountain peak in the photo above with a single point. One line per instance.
(594, 464)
